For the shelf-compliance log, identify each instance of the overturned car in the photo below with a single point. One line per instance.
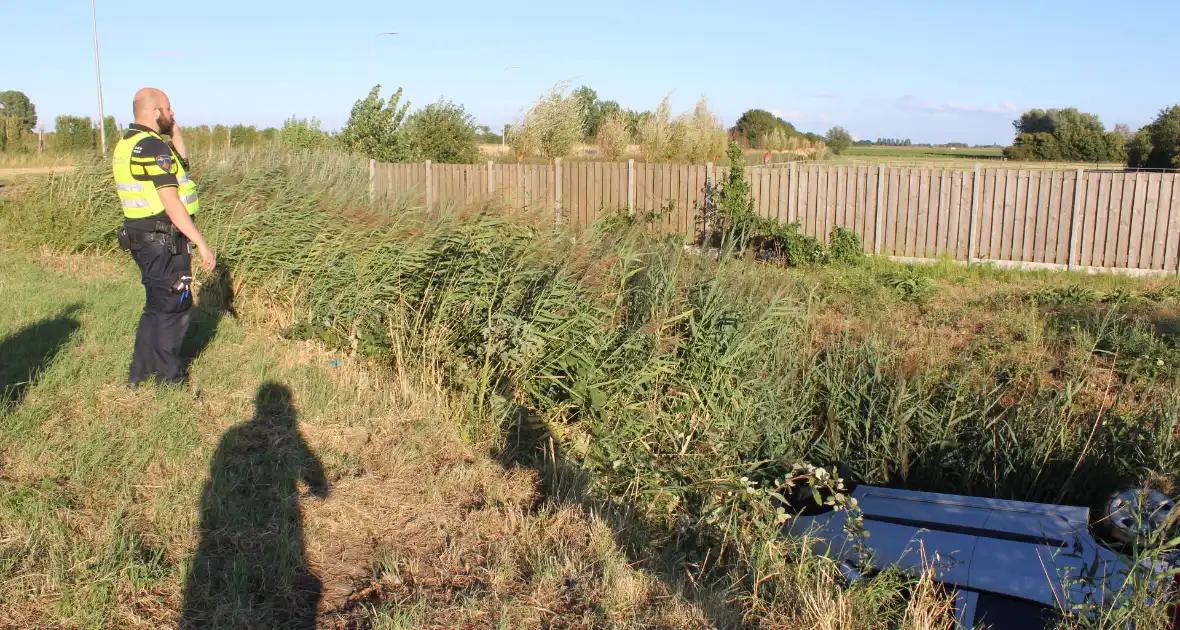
(1010, 564)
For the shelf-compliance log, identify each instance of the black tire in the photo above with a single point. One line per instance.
(1117, 528)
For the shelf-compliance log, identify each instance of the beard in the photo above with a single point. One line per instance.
(165, 124)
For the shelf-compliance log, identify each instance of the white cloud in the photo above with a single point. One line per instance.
(913, 103)
(795, 115)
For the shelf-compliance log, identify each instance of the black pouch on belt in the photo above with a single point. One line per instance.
(124, 239)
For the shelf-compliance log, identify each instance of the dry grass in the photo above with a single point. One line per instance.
(416, 513)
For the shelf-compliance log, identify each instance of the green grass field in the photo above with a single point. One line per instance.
(476, 419)
(983, 153)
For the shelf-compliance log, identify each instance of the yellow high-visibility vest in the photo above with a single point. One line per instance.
(139, 197)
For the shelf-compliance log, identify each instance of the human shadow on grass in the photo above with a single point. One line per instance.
(215, 299)
(250, 569)
(26, 354)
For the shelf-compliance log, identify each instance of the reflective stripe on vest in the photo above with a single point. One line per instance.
(140, 201)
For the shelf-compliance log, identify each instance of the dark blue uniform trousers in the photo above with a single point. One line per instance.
(167, 279)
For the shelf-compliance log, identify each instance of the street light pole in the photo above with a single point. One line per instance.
(102, 133)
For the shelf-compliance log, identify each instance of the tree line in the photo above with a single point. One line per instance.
(1074, 136)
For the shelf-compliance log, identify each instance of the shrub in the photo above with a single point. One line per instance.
(442, 132)
(374, 127)
(612, 136)
(655, 134)
(844, 246)
(702, 137)
(301, 133)
(551, 127)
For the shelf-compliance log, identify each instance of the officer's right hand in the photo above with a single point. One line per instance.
(208, 258)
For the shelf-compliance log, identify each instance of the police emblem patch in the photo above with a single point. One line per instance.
(164, 162)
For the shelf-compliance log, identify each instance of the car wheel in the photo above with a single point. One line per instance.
(1134, 517)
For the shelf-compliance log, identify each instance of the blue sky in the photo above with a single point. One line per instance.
(931, 71)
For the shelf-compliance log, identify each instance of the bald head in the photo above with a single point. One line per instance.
(153, 109)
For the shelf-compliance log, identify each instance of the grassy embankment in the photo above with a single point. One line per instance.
(637, 395)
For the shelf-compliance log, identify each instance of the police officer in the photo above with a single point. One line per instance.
(159, 200)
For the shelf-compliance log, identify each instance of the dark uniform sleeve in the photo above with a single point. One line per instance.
(153, 161)
(183, 161)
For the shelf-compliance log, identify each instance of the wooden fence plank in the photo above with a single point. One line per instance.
(924, 183)
(910, 236)
(1027, 215)
(1011, 191)
(1044, 181)
(764, 185)
(955, 234)
(780, 194)
(1089, 217)
(1159, 255)
(1101, 223)
(893, 187)
(667, 186)
(861, 216)
(1151, 220)
(942, 229)
(1065, 217)
(1132, 239)
(1140, 217)
(935, 220)
(839, 194)
(986, 213)
(811, 209)
(823, 214)
(807, 207)
(1051, 194)
(1110, 226)
(905, 180)
(1172, 251)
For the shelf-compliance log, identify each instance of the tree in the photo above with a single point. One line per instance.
(1163, 139)
(838, 139)
(374, 127)
(613, 136)
(74, 133)
(1139, 149)
(594, 111)
(443, 132)
(757, 126)
(1077, 136)
(16, 105)
(633, 119)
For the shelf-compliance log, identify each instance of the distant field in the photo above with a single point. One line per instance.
(980, 153)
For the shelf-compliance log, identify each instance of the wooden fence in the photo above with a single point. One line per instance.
(1070, 219)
